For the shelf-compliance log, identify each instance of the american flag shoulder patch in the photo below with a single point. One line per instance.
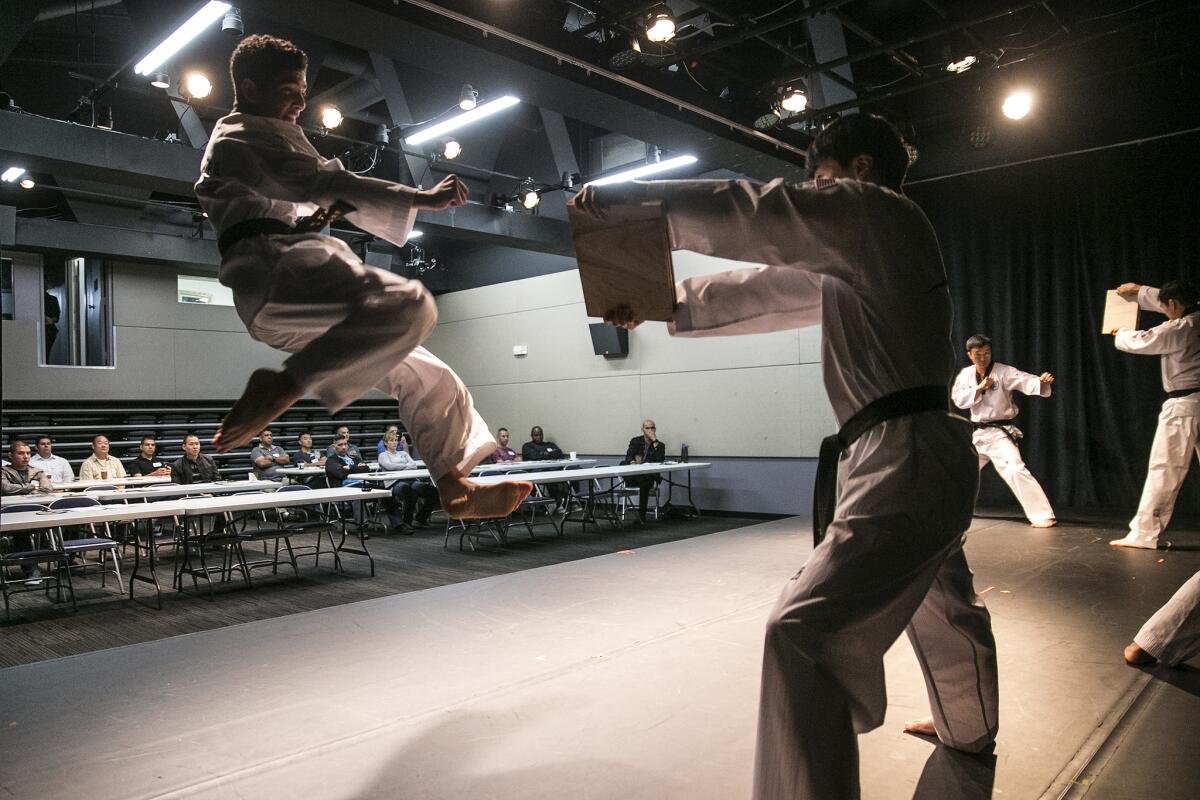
(824, 183)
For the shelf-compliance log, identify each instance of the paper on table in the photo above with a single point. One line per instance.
(1118, 312)
(625, 259)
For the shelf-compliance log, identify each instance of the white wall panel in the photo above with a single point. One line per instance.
(145, 295)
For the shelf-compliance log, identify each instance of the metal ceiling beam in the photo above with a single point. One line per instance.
(397, 105)
(19, 16)
(43, 235)
(885, 48)
(634, 109)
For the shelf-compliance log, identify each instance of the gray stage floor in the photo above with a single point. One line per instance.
(631, 675)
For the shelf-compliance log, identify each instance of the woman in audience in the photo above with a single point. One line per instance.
(405, 494)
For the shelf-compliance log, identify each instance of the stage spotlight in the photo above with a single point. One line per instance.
(232, 24)
(468, 98)
(382, 135)
(28, 183)
(528, 194)
(792, 99)
(660, 24)
(451, 149)
(197, 85)
(331, 117)
(160, 80)
(980, 134)
(1018, 104)
(11, 174)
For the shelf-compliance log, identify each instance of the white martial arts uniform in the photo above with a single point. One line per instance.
(1178, 435)
(863, 262)
(996, 444)
(1172, 635)
(349, 326)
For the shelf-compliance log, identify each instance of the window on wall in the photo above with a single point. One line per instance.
(8, 303)
(76, 300)
(198, 290)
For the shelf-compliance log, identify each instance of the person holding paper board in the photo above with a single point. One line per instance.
(986, 388)
(849, 251)
(1177, 342)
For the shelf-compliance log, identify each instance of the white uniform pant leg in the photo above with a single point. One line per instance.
(1172, 635)
(823, 678)
(351, 327)
(1170, 456)
(993, 445)
(951, 633)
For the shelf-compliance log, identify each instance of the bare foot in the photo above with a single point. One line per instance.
(1132, 541)
(921, 727)
(462, 499)
(1050, 523)
(1135, 656)
(267, 395)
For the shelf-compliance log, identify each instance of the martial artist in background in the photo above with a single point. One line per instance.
(1178, 342)
(986, 388)
(850, 252)
(348, 326)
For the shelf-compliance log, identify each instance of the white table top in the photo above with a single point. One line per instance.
(35, 520)
(319, 469)
(145, 479)
(178, 490)
(482, 469)
(616, 471)
(193, 506)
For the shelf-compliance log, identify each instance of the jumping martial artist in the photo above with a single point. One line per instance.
(1172, 635)
(850, 252)
(1178, 436)
(986, 388)
(348, 326)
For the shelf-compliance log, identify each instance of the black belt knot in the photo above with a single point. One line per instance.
(891, 406)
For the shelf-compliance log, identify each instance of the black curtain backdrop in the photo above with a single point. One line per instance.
(1030, 250)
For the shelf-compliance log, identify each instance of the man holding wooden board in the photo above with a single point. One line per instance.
(850, 252)
(1177, 341)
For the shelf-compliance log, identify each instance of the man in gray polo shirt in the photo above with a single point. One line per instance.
(268, 457)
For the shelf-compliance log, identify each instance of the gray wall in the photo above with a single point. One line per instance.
(163, 349)
(755, 402)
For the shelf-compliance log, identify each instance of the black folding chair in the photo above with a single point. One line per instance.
(34, 556)
(79, 547)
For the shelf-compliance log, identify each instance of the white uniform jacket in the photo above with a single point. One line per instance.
(997, 402)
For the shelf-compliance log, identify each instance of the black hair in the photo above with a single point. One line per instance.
(862, 134)
(502, 429)
(977, 341)
(1182, 292)
(148, 437)
(41, 436)
(262, 59)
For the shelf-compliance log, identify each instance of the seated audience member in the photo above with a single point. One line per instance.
(406, 494)
(100, 466)
(342, 464)
(540, 450)
(268, 457)
(57, 467)
(380, 447)
(306, 455)
(147, 461)
(351, 448)
(194, 467)
(645, 449)
(503, 454)
(19, 477)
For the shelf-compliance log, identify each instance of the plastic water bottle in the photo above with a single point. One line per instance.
(683, 454)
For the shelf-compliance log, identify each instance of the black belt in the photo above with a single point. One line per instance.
(1182, 393)
(897, 404)
(250, 227)
(998, 423)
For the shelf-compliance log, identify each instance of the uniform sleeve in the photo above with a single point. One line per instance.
(1017, 381)
(282, 169)
(753, 300)
(963, 391)
(775, 223)
(1160, 340)
(1147, 299)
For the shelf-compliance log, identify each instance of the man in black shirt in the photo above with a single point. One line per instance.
(645, 449)
(539, 450)
(194, 467)
(147, 462)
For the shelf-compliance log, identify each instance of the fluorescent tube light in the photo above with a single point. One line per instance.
(642, 171)
(210, 13)
(11, 174)
(456, 122)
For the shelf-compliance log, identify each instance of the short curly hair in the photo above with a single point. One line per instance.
(854, 135)
(262, 58)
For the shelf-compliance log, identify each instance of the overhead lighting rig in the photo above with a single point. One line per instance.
(660, 24)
